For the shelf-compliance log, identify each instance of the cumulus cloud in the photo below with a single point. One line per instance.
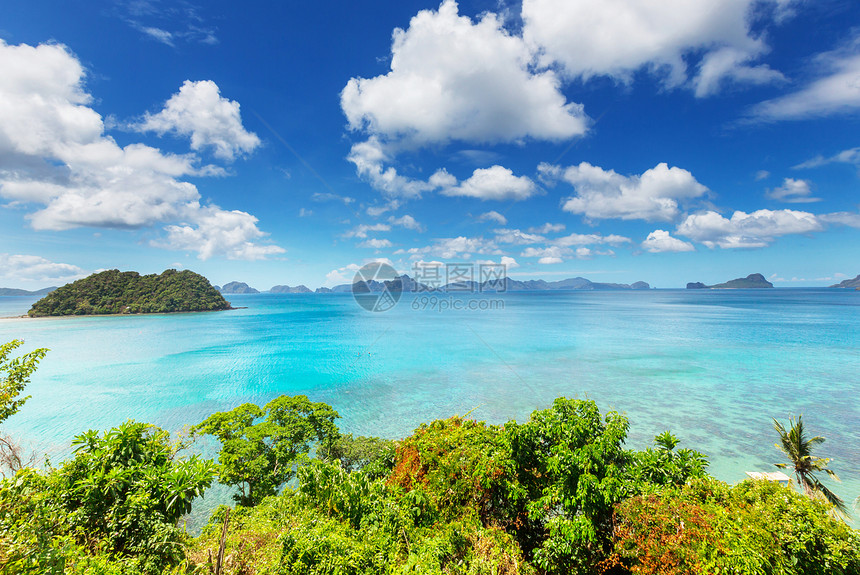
(406, 222)
(616, 38)
(211, 121)
(661, 241)
(370, 158)
(836, 90)
(54, 154)
(743, 230)
(793, 191)
(454, 79)
(493, 216)
(30, 268)
(494, 183)
(507, 236)
(557, 254)
(600, 194)
(212, 231)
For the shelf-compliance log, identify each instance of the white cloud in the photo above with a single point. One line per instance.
(589, 239)
(453, 248)
(494, 183)
(493, 216)
(850, 156)
(29, 268)
(793, 191)
(661, 241)
(360, 231)
(54, 153)
(452, 79)
(618, 37)
(212, 231)
(761, 175)
(199, 111)
(731, 64)
(406, 222)
(850, 219)
(557, 254)
(835, 91)
(305, 213)
(547, 228)
(341, 275)
(331, 197)
(158, 34)
(601, 194)
(507, 236)
(742, 230)
(550, 260)
(375, 243)
(370, 158)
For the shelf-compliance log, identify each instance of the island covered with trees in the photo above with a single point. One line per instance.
(116, 292)
(557, 494)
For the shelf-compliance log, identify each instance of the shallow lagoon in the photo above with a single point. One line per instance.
(711, 366)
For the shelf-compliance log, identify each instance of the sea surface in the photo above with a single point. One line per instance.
(714, 367)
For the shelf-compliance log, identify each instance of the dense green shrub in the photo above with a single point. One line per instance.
(373, 455)
(114, 506)
(755, 527)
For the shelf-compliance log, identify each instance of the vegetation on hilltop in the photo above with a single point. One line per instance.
(556, 494)
(116, 292)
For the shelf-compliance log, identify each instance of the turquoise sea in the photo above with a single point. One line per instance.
(711, 366)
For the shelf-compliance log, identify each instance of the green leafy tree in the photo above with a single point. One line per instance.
(112, 508)
(372, 455)
(571, 463)
(261, 447)
(14, 376)
(126, 484)
(798, 448)
(664, 465)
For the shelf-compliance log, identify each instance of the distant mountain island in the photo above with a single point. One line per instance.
(233, 288)
(855, 283)
(23, 292)
(752, 281)
(116, 292)
(288, 289)
(408, 284)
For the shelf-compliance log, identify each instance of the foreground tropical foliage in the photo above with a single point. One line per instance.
(556, 494)
(116, 292)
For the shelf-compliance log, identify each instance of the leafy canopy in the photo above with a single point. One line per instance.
(116, 502)
(260, 447)
(14, 376)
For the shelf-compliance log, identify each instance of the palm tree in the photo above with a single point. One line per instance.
(798, 448)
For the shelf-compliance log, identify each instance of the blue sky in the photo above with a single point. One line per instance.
(288, 143)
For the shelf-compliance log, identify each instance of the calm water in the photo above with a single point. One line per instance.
(711, 366)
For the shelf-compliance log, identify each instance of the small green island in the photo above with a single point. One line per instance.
(114, 292)
(752, 281)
